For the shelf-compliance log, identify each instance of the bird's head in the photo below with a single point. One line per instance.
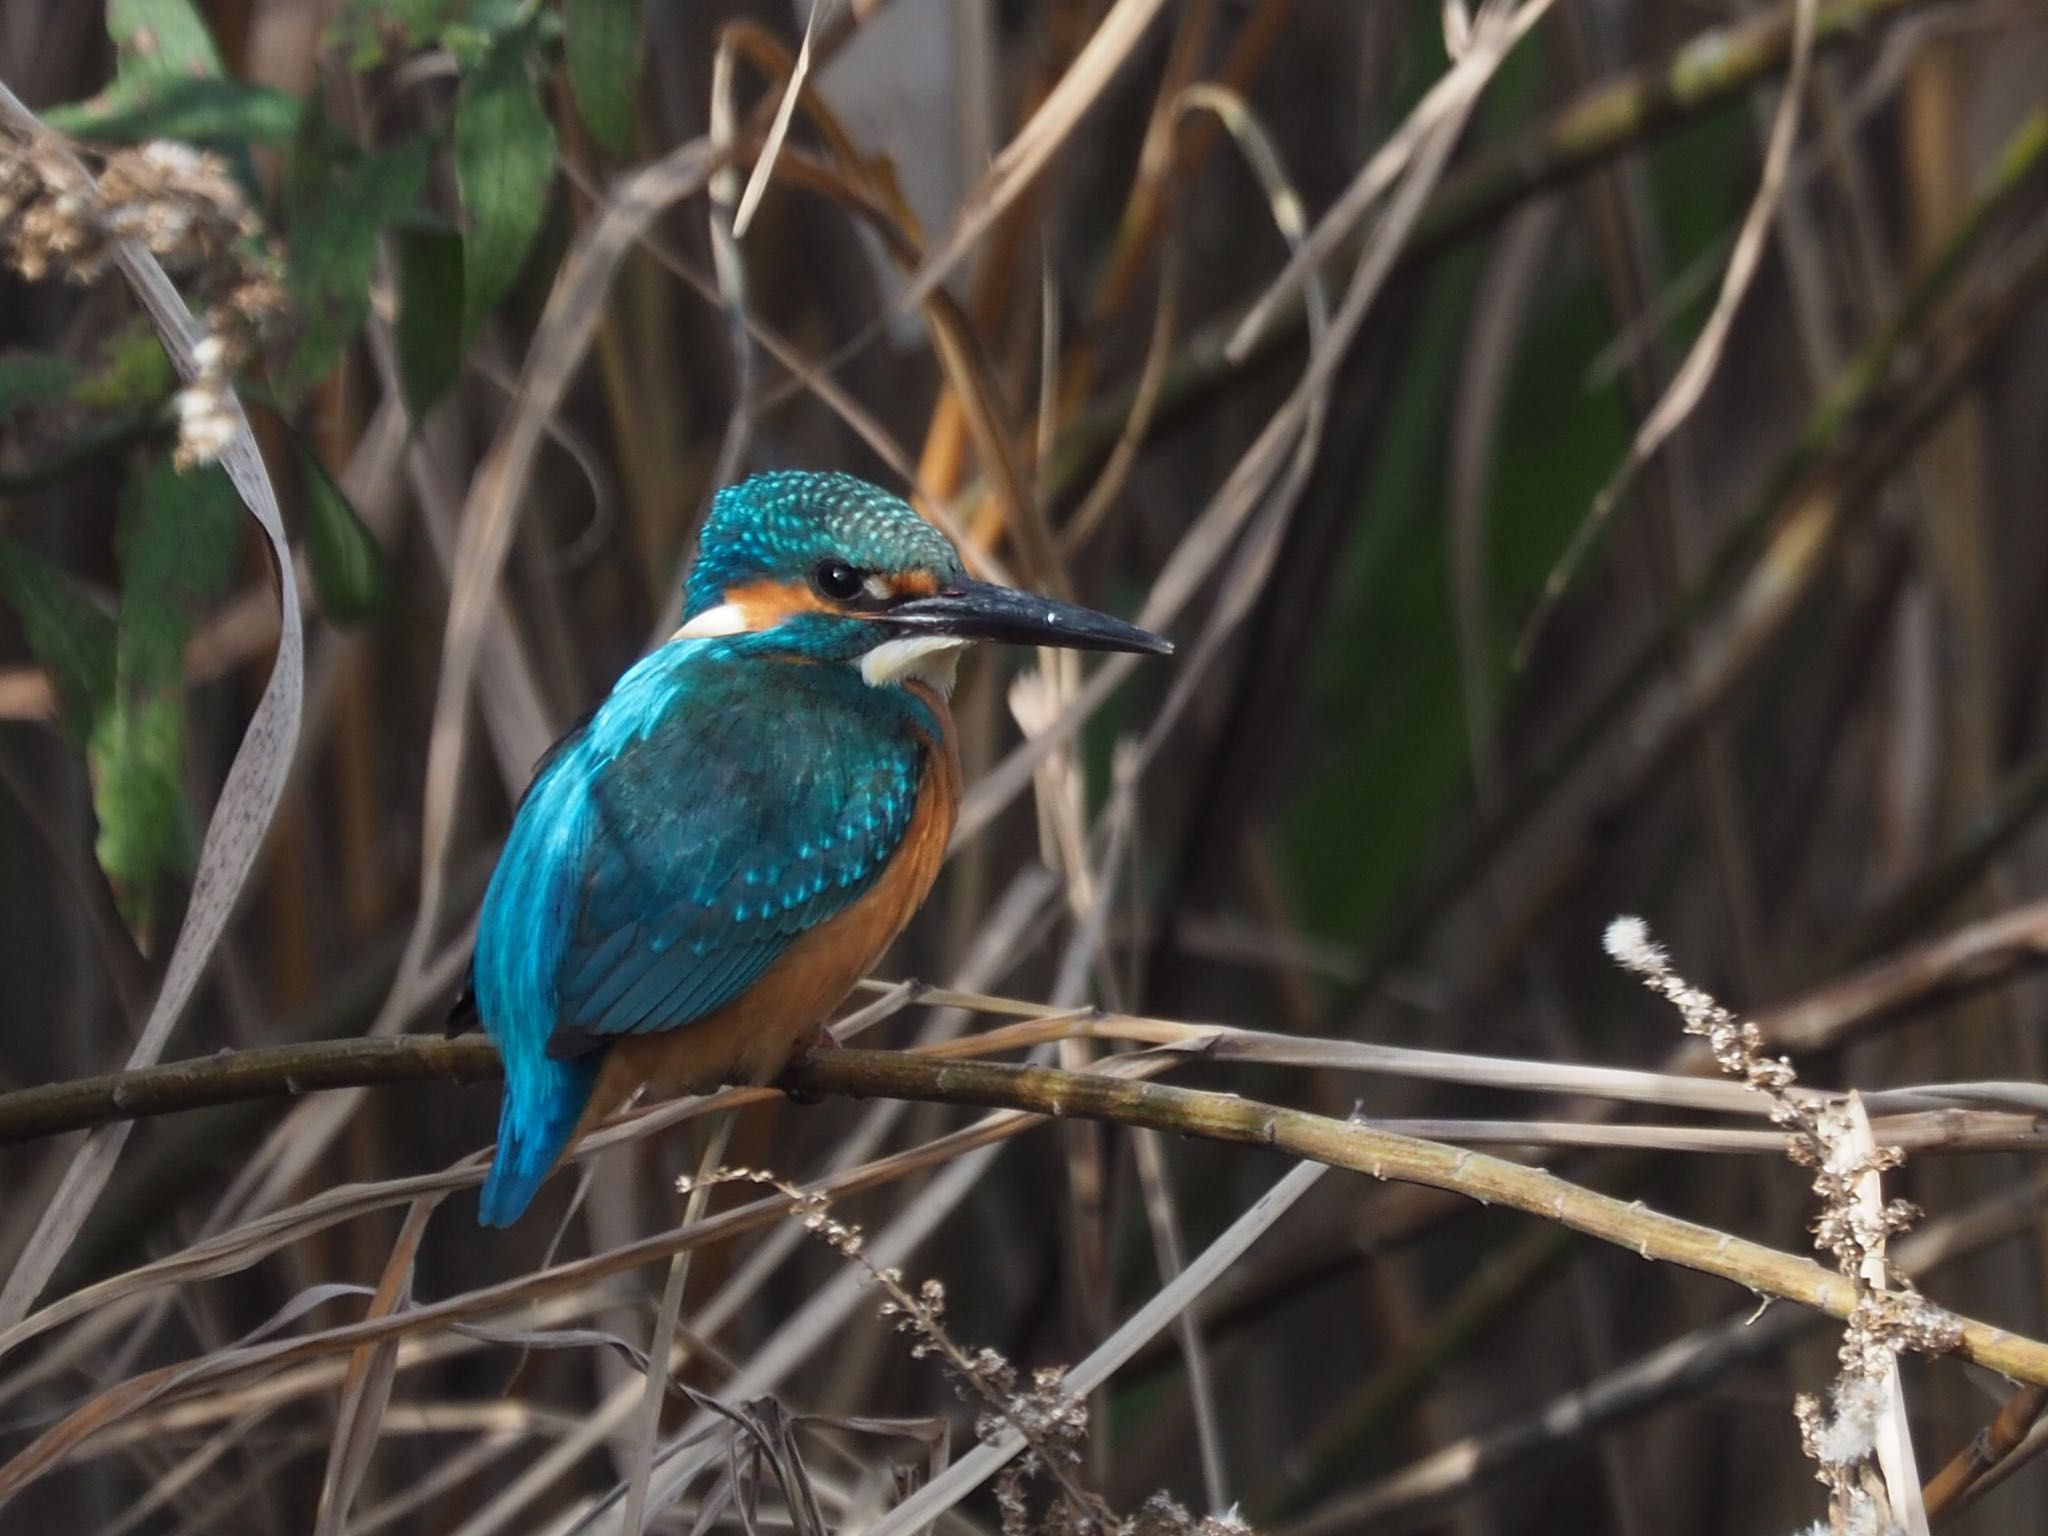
(828, 567)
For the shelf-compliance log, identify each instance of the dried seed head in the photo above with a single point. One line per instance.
(184, 206)
(1832, 1137)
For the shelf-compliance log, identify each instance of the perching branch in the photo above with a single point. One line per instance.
(265, 1072)
(1059, 1094)
(1967, 959)
(1383, 1155)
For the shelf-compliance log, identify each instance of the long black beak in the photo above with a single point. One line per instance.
(980, 610)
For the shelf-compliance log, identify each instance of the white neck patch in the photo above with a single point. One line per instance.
(929, 659)
(725, 619)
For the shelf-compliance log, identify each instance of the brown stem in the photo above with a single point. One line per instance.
(1992, 1445)
(1058, 1094)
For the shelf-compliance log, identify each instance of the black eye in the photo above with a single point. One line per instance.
(837, 580)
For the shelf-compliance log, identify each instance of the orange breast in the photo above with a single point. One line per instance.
(752, 1038)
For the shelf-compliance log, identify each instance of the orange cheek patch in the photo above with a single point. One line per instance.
(765, 604)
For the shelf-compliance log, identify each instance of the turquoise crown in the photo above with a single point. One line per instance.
(782, 526)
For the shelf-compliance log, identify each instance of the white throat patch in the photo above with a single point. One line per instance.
(725, 619)
(929, 659)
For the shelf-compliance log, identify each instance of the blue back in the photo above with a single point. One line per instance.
(722, 801)
(762, 799)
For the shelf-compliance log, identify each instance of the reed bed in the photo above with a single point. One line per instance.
(1588, 458)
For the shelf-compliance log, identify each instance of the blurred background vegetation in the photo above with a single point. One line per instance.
(1787, 700)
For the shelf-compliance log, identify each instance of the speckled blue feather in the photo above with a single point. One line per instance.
(724, 799)
(777, 525)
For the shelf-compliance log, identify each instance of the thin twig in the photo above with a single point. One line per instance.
(1689, 385)
(1992, 1447)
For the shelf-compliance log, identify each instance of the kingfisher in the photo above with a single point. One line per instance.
(700, 872)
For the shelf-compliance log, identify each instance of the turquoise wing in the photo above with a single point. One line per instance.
(738, 805)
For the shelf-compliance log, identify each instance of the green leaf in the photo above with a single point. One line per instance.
(120, 682)
(177, 550)
(477, 25)
(504, 164)
(162, 37)
(603, 54)
(138, 795)
(346, 560)
(143, 104)
(340, 199)
(33, 378)
(429, 315)
(372, 31)
(71, 636)
(133, 372)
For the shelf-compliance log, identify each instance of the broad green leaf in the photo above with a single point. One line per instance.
(341, 198)
(71, 636)
(138, 797)
(31, 378)
(142, 104)
(164, 37)
(429, 315)
(346, 560)
(504, 164)
(177, 548)
(602, 46)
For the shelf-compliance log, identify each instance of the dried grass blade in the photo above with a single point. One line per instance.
(1262, 156)
(1689, 384)
(804, 375)
(297, 1141)
(457, 1469)
(249, 795)
(173, 1483)
(981, 1463)
(489, 514)
(1689, 1362)
(661, 1361)
(764, 163)
(1249, 489)
(1502, 309)
(366, 1388)
(1451, 97)
(1156, 1181)
(1025, 156)
(117, 1402)
(820, 1318)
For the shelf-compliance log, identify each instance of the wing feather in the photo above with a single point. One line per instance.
(749, 803)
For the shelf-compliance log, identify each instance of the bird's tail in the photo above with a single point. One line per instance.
(534, 1125)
